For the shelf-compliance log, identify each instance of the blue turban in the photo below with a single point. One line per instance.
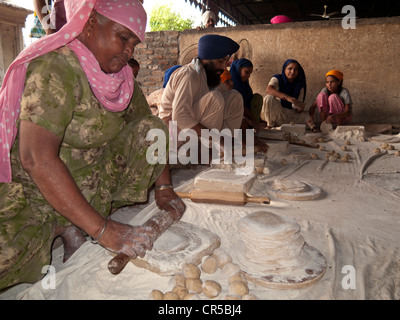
(168, 74)
(213, 46)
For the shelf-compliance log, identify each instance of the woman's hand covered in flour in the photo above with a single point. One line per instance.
(131, 240)
(169, 201)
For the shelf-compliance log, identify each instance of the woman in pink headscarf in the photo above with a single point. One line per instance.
(73, 148)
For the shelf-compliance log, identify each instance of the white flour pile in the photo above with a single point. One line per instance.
(355, 224)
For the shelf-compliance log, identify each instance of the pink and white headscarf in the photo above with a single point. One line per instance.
(114, 91)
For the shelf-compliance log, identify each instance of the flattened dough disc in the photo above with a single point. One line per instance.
(305, 276)
(294, 190)
(181, 243)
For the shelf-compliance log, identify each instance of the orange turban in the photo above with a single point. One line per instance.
(225, 76)
(336, 73)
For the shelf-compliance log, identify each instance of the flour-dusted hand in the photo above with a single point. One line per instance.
(134, 241)
(168, 200)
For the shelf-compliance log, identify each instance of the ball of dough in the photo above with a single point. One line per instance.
(156, 295)
(230, 269)
(211, 289)
(209, 265)
(249, 297)
(218, 252)
(332, 158)
(377, 151)
(237, 277)
(314, 156)
(194, 285)
(177, 280)
(238, 288)
(390, 147)
(191, 271)
(171, 296)
(181, 291)
(191, 296)
(344, 159)
(223, 259)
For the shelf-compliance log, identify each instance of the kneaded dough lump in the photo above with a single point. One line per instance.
(209, 265)
(191, 271)
(211, 289)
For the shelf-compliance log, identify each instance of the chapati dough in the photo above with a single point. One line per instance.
(191, 271)
(211, 289)
(209, 265)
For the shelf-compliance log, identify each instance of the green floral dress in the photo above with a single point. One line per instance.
(104, 151)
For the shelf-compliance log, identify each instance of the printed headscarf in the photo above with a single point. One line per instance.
(292, 89)
(114, 91)
(243, 87)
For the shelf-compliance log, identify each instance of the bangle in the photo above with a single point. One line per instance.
(95, 241)
(163, 187)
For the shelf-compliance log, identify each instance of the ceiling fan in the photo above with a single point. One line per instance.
(325, 15)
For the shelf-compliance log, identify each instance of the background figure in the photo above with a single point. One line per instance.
(51, 14)
(281, 104)
(226, 81)
(281, 19)
(154, 98)
(241, 71)
(169, 73)
(208, 20)
(333, 102)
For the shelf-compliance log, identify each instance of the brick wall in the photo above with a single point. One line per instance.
(156, 54)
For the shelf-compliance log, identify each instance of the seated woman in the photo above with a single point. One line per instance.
(241, 71)
(74, 145)
(333, 102)
(281, 104)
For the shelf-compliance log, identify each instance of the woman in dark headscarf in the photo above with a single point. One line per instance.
(241, 71)
(282, 104)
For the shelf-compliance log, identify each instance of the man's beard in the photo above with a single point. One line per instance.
(213, 75)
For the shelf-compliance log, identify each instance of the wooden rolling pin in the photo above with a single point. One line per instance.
(222, 197)
(159, 223)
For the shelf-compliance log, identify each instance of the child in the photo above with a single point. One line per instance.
(333, 102)
(226, 80)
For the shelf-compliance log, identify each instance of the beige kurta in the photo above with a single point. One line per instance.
(188, 101)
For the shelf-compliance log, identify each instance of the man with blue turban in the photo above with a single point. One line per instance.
(190, 97)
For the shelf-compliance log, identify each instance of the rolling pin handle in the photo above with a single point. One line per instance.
(118, 263)
(264, 200)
